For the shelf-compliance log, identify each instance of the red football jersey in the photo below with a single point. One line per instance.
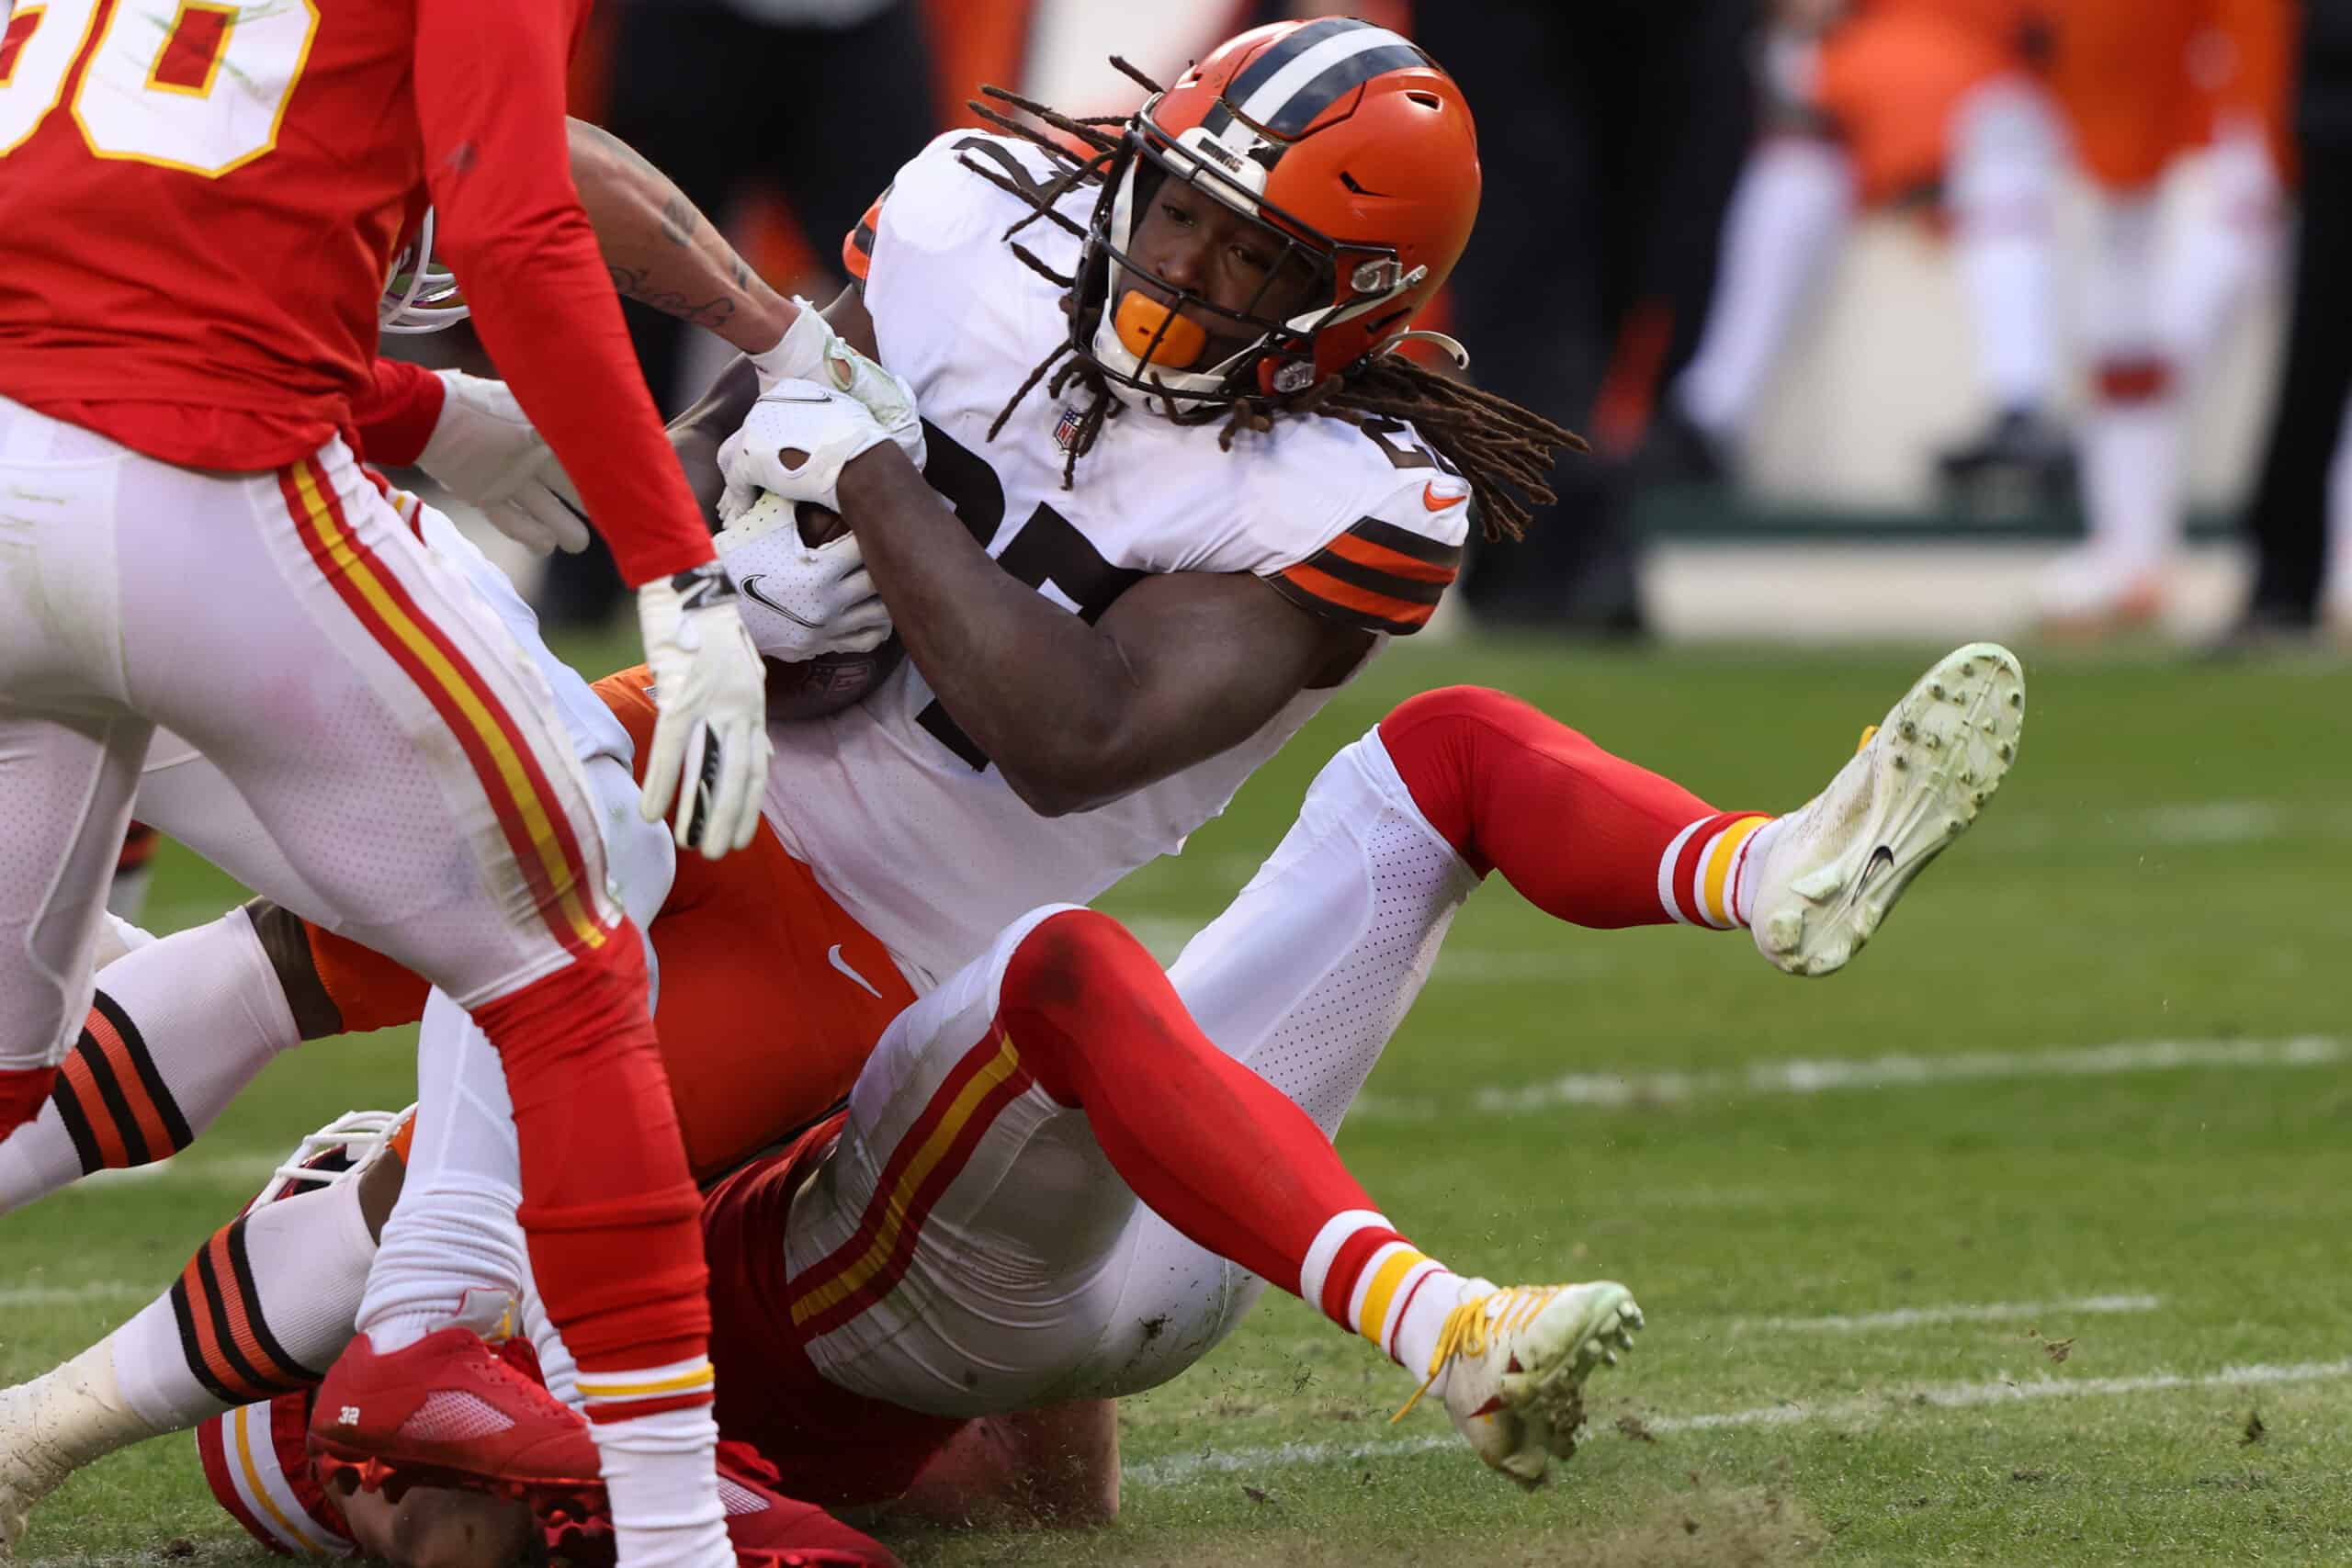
(202, 200)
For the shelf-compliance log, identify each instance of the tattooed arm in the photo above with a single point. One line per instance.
(663, 253)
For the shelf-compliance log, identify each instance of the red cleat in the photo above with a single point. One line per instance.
(449, 1411)
(768, 1529)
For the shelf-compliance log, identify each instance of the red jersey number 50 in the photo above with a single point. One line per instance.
(200, 86)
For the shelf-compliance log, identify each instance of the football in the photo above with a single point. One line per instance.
(823, 686)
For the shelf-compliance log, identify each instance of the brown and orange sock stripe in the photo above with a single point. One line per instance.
(112, 1097)
(228, 1343)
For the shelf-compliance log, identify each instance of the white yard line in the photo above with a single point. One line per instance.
(226, 1169)
(1861, 1322)
(1954, 1311)
(1179, 1469)
(1822, 1075)
(72, 1295)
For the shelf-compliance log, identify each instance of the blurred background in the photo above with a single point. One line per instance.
(1887, 318)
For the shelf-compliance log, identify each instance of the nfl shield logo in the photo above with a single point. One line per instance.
(1066, 429)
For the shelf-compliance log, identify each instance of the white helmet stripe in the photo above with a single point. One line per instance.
(1263, 105)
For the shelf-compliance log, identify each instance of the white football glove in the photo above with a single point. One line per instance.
(811, 351)
(484, 451)
(828, 428)
(800, 600)
(711, 690)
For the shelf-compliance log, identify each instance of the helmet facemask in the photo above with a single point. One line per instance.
(1152, 338)
(421, 296)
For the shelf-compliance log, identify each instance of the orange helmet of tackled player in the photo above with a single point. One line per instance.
(1354, 157)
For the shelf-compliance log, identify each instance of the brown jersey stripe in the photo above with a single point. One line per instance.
(1355, 548)
(1351, 605)
(857, 246)
(1405, 542)
(1372, 580)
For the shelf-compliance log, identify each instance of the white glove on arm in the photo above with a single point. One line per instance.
(483, 451)
(811, 351)
(827, 428)
(800, 600)
(710, 740)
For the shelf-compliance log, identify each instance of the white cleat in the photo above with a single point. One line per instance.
(1515, 1362)
(31, 1468)
(1838, 863)
(51, 1427)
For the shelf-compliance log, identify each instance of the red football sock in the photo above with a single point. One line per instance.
(1215, 1149)
(1584, 836)
(611, 1216)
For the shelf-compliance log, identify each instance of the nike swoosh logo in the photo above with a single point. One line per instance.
(833, 956)
(1436, 502)
(794, 397)
(1880, 859)
(751, 586)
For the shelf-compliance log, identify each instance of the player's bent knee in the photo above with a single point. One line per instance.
(1449, 705)
(286, 941)
(1064, 953)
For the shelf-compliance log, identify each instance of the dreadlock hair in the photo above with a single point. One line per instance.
(1503, 450)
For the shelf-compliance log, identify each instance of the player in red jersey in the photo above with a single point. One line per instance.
(202, 206)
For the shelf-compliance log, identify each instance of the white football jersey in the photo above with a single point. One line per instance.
(900, 815)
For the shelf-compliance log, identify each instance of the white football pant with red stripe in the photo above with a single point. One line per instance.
(401, 752)
(1014, 1267)
(289, 626)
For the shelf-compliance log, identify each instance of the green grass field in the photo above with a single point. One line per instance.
(2024, 1241)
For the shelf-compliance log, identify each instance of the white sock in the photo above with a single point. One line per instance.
(1750, 868)
(2003, 189)
(2131, 438)
(2132, 482)
(196, 1017)
(1397, 1297)
(452, 1251)
(1421, 1324)
(307, 1257)
(1786, 217)
(2222, 253)
(659, 1474)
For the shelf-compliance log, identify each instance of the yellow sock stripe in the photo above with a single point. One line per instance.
(1712, 904)
(260, 1490)
(701, 1377)
(485, 726)
(1372, 1320)
(1002, 1065)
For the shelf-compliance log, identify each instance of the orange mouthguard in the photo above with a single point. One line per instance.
(1140, 318)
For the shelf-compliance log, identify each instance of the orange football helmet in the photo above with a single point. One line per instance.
(1348, 146)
